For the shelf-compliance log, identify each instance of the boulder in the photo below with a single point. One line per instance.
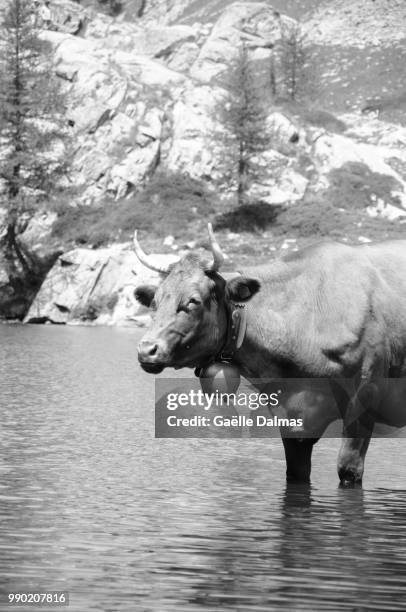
(37, 233)
(19, 281)
(256, 23)
(94, 286)
(68, 16)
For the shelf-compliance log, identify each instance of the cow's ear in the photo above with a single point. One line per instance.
(242, 289)
(144, 294)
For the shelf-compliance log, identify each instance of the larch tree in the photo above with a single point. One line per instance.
(31, 127)
(293, 61)
(244, 120)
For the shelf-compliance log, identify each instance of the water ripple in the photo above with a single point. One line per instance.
(91, 503)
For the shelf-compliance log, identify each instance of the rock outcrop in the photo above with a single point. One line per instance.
(95, 286)
(125, 83)
(148, 96)
(145, 93)
(69, 17)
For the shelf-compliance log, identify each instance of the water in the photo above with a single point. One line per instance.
(91, 503)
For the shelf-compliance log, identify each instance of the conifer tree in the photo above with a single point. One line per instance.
(293, 62)
(244, 119)
(31, 115)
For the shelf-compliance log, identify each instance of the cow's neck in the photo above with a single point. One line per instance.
(264, 352)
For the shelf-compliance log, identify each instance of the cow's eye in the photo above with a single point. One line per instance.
(192, 304)
(188, 306)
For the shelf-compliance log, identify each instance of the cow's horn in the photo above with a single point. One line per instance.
(146, 259)
(218, 257)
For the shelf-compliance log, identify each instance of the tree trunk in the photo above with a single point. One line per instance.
(241, 175)
(13, 249)
(273, 76)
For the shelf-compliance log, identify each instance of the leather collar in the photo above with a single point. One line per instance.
(236, 328)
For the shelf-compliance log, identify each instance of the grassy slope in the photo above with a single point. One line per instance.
(173, 205)
(348, 78)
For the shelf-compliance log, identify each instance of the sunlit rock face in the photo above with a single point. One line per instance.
(68, 17)
(123, 80)
(257, 24)
(94, 286)
(145, 88)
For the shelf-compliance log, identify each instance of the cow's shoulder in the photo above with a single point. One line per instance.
(323, 248)
(324, 262)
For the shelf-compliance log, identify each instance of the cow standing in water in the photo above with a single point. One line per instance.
(328, 311)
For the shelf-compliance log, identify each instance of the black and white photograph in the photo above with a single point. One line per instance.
(203, 305)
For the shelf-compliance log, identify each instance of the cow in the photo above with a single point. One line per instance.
(328, 311)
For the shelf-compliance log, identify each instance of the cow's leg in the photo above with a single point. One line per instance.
(359, 421)
(351, 460)
(298, 455)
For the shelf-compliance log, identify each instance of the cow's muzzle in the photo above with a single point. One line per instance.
(151, 356)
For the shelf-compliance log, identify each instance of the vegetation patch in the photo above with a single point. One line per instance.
(248, 217)
(354, 185)
(320, 218)
(340, 210)
(169, 203)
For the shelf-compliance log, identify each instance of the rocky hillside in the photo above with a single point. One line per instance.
(191, 11)
(145, 96)
(144, 91)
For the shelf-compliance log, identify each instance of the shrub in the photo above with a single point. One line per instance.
(321, 217)
(316, 218)
(248, 217)
(352, 186)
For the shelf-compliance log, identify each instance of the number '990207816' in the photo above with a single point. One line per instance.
(42, 598)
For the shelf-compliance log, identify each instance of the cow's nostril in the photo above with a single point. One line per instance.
(148, 350)
(152, 351)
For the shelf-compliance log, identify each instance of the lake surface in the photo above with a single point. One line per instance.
(91, 503)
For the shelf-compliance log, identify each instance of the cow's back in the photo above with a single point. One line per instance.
(389, 304)
(338, 302)
(389, 259)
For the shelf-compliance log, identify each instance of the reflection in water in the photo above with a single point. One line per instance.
(91, 503)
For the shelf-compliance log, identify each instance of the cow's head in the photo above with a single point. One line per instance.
(190, 309)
